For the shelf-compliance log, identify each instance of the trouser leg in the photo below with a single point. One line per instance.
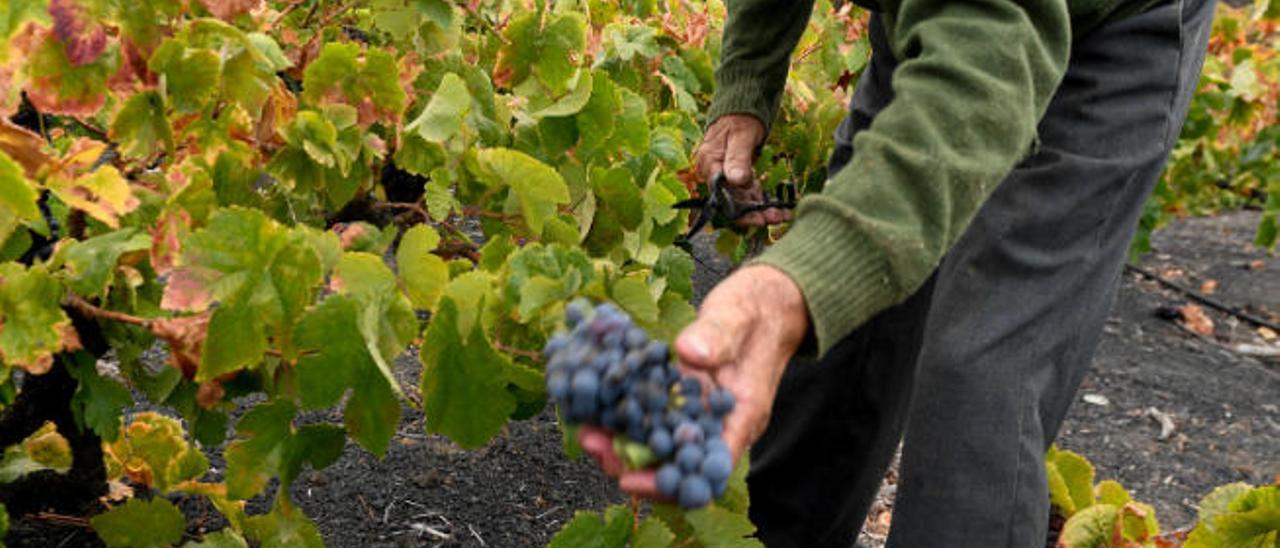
(1021, 299)
(836, 422)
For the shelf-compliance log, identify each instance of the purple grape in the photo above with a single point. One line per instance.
(555, 344)
(711, 427)
(586, 384)
(689, 433)
(720, 402)
(655, 398)
(689, 458)
(716, 467)
(691, 388)
(575, 312)
(674, 418)
(656, 352)
(695, 492)
(660, 442)
(668, 480)
(558, 384)
(636, 339)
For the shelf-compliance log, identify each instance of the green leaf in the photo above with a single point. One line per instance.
(1077, 479)
(617, 191)
(189, 76)
(91, 263)
(318, 445)
(140, 126)
(423, 274)
(573, 101)
(590, 530)
(263, 274)
(463, 380)
(32, 324)
(246, 82)
(140, 523)
(1252, 519)
(333, 352)
(99, 401)
(262, 437)
(548, 52)
(4, 522)
(443, 115)
(736, 497)
(624, 42)
(226, 538)
(1111, 492)
(538, 275)
(340, 73)
(676, 266)
(538, 187)
(373, 413)
(632, 294)
(387, 321)
(44, 449)
(234, 340)
(17, 195)
(1090, 527)
(653, 534)
(284, 527)
(716, 527)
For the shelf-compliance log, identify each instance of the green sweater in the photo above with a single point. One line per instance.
(973, 79)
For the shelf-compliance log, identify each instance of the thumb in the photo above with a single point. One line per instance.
(740, 148)
(714, 339)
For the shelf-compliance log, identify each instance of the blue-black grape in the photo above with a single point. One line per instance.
(716, 467)
(668, 480)
(720, 402)
(558, 384)
(689, 433)
(606, 371)
(695, 492)
(660, 442)
(689, 458)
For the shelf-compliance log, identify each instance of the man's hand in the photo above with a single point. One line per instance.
(729, 147)
(748, 328)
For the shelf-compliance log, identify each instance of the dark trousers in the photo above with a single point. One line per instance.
(980, 366)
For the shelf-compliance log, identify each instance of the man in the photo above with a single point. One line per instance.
(953, 277)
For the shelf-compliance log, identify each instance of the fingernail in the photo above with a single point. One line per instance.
(737, 173)
(699, 348)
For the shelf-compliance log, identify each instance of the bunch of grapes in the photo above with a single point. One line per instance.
(606, 372)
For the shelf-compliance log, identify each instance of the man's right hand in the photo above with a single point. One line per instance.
(729, 147)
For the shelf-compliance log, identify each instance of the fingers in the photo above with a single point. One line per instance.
(598, 443)
(641, 483)
(739, 153)
(715, 338)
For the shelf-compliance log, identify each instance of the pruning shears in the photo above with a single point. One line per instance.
(720, 209)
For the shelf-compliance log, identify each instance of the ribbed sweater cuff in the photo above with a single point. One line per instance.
(744, 89)
(844, 276)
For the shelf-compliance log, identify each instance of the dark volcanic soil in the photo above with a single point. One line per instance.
(520, 489)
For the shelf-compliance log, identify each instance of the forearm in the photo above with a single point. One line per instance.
(759, 37)
(973, 79)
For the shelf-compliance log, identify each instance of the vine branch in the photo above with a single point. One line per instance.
(93, 311)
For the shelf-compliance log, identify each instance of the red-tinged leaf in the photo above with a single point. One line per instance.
(84, 37)
(230, 9)
(186, 290)
(23, 146)
(210, 394)
(57, 86)
(1195, 320)
(185, 336)
(104, 194)
(166, 244)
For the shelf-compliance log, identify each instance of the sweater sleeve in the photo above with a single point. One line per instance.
(973, 79)
(755, 55)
